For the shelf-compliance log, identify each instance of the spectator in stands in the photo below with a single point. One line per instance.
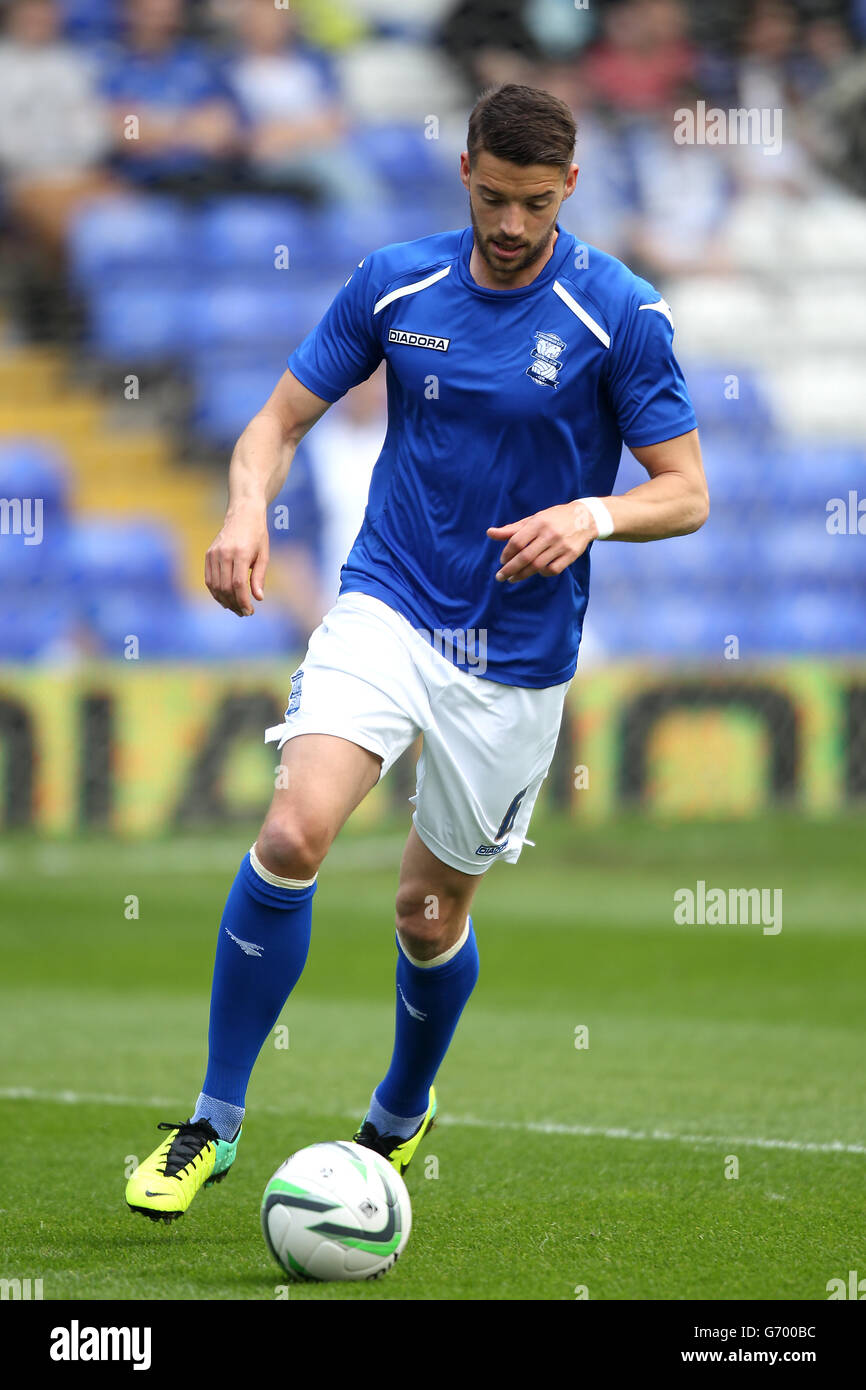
(828, 51)
(768, 54)
(643, 58)
(54, 140)
(289, 102)
(683, 194)
(770, 71)
(834, 124)
(331, 25)
(173, 119)
(491, 42)
(53, 132)
(603, 208)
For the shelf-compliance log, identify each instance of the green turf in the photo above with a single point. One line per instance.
(715, 1040)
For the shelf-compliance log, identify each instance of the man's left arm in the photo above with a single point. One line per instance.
(673, 502)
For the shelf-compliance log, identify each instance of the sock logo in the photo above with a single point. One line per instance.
(249, 948)
(416, 1013)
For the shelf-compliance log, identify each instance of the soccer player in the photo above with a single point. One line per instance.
(518, 362)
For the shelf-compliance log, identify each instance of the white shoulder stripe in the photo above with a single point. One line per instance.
(411, 289)
(663, 308)
(581, 313)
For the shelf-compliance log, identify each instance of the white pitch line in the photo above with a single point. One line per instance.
(663, 1136)
(68, 861)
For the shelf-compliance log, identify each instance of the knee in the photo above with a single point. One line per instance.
(292, 847)
(428, 923)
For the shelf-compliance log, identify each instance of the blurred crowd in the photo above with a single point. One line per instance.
(102, 95)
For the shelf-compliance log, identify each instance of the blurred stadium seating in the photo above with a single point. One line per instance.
(180, 284)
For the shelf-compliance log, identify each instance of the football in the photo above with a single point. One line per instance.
(336, 1211)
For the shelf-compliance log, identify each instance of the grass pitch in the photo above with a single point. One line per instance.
(556, 1169)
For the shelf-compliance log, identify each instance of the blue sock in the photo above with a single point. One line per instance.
(430, 1001)
(262, 947)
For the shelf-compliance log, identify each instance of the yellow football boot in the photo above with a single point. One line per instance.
(192, 1157)
(399, 1152)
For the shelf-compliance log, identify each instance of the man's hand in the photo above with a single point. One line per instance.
(546, 543)
(237, 561)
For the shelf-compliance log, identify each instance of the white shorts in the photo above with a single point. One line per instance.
(369, 677)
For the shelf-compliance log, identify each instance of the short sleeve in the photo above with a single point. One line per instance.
(344, 347)
(647, 387)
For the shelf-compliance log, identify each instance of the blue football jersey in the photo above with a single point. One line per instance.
(500, 403)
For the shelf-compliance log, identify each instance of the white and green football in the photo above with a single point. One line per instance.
(336, 1211)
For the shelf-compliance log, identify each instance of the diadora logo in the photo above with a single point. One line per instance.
(487, 850)
(419, 340)
(416, 1013)
(545, 365)
(249, 948)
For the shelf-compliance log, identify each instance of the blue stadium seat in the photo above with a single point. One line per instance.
(242, 234)
(140, 324)
(812, 472)
(130, 236)
(747, 414)
(227, 393)
(206, 632)
(401, 156)
(712, 556)
(33, 488)
(33, 468)
(821, 624)
(425, 214)
(115, 616)
(738, 470)
(36, 628)
(106, 554)
(346, 238)
(666, 623)
(684, 626)
(797, 550)
(30, 568)
(174, 628)
(251, 314)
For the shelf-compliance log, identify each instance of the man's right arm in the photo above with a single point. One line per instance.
(236, 563)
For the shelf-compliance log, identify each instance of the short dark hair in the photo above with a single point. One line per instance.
(524, 125)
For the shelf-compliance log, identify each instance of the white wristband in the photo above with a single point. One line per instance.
(601, 516)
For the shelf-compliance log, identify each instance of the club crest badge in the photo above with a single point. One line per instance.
(545, 365)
